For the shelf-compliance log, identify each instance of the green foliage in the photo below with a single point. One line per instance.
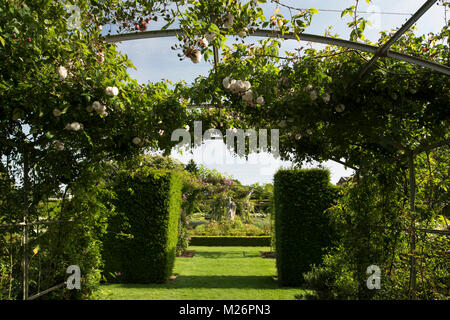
(50, 77)
(224, 18)
(226, 241)
(372, 219)
(367, 202)
(331, 280)
(302, 227)
(54, 247)
(396, 107)
(140, 245)
(357, 24)
(41, 104)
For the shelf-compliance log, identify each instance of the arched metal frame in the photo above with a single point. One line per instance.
(377, 51)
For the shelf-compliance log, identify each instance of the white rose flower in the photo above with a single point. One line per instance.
(309, 87)
(210, 36)
(260, 100)
(326, 98)
(89, 109)
(161, 132)
(248, 96)
(309, 131)
(137, 140)
(101, 57)
(104, 114)
(246, 85)
(282, 123)
(58, 145)
(232, 84)
(203, 42)
(196, 57)
(62, 72)
(240, 85)
(109, 91)
(229, 21)
(313, 95)
(68, 127)
(226, 83)
(75, 126)
(244, 32)
(187, 128)
(235, 86)
(57, 112)
(298, 136)
(340, 108)
(112, 91)
(101, 109)
(96, 105)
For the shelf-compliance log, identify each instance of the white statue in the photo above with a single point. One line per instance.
(231, 209)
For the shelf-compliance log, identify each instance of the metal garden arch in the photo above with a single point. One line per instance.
(378, 52)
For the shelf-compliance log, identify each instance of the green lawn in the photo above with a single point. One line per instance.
(214, 273)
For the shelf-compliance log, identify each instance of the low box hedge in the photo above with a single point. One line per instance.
(302, 228)
(141, 239)
(228, 241)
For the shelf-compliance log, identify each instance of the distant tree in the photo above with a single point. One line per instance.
(191, 167)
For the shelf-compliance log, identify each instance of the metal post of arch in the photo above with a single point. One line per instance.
(383, 50)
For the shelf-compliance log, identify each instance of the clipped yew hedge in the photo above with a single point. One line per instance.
(228, 241)
(140, 244)
(302, 228)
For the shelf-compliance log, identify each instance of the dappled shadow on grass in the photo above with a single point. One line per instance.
(213, 282)
(217, 281)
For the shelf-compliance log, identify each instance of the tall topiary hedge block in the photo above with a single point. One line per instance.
(302, 228)
(140, 245)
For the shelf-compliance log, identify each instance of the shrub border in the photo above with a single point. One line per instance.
(230, 241)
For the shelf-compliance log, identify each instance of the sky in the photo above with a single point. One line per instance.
(154, 60)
